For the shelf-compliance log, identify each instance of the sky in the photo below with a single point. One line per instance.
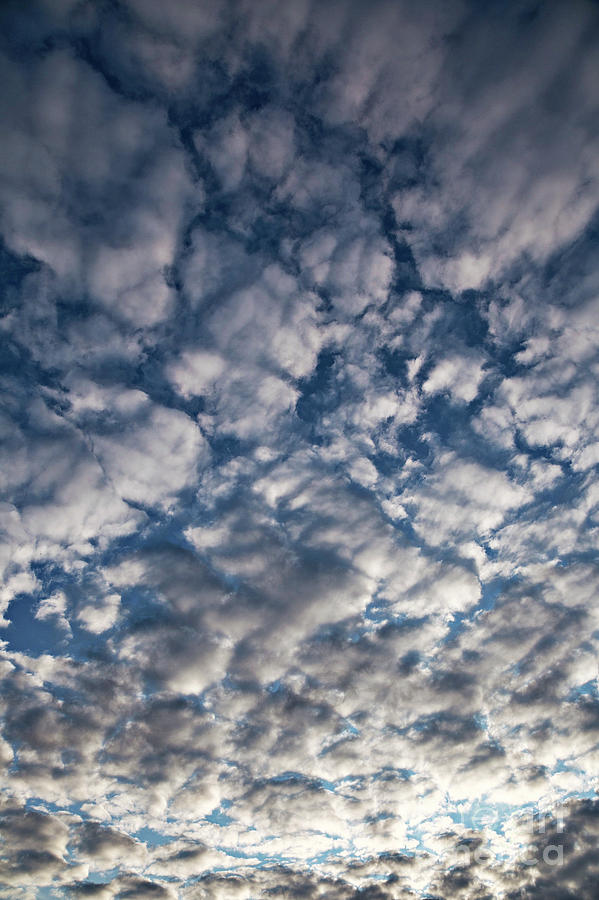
(299, 365)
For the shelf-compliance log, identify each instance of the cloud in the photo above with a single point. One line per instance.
(196, 371)
(54, 607)
(89, 243)
(509, 200)
(101, 616)
(299, 435)
(155, 459)
(458, 375)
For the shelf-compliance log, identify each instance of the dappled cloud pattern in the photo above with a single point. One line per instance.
(300, 434)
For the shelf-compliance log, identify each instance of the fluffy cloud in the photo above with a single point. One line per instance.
(299, 441)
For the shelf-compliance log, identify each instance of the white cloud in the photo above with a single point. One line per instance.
(508, 176)
(464, 499)
(54, 607)
(99, 617)
(195, 372)
(458, 375)
(153, 460)
(119, 259)
(17, 583)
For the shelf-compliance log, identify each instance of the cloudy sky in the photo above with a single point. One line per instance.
(299, 337)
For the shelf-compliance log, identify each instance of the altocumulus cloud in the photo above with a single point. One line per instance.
(300, 435)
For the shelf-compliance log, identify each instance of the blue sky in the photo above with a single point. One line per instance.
(299, 367)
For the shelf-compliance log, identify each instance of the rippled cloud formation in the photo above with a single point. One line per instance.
(300, 434)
